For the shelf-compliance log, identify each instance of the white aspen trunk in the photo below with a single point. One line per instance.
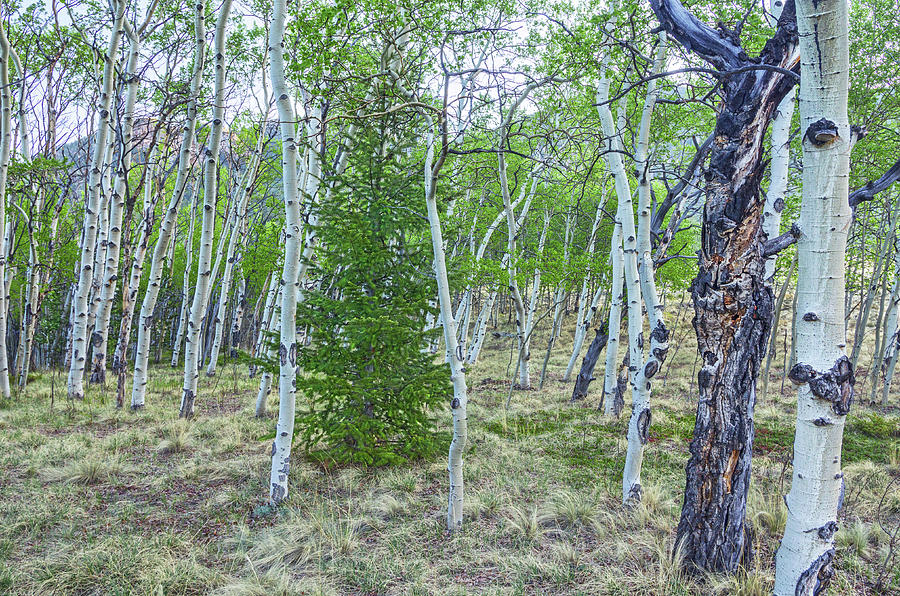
(100, 335)
(640, 395)
(484, 316)
(781, 153)
(289, 284)
(558, 309)
(145, 323)
(513, 229)
(454, 356)
(617, 299)
(272, 293)
(891, 333)
(129, 294)
(102, 236)
(273, 317)
(193, 346)
(186, 279)
(5, 145)
(33, 275)
(643, 371)
(536, 284)
(803, 564)
(75, 384)
(585, 314)
(640, 292)
(238, 318)
(781, 149)
(481, 321)
(240, 215)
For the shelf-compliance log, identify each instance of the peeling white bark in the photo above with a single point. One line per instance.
(186, 278)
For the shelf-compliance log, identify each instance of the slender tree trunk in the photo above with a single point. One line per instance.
(100, 335)
(891, 333)
(272, 298)
(585, 314)
(207, 227)
(145, 323)
(611, 395)
(129, 295)
(75, 388)
(289, 284)
(823, 372)
(779, 305)
(273, 317)
(246, 186)
(459, 402)
(186, 279)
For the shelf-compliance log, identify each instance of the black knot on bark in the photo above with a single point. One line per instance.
(660, 354)
(454, 403)
(822, 132)
(778, 205)
(815, 580)
(643, 426)
(640, 340)
(810, 316)
(828, 530)
(801, 373)
(660, 333)
(822, 422)
(651, 369)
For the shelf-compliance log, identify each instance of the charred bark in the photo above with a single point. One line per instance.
(733, 303)
(586, 375)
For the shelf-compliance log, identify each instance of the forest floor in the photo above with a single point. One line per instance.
(99, 501)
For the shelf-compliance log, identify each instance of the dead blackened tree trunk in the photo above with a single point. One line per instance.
(823, 371)
(732, 301)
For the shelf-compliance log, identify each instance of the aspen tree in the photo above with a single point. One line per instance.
(130, 293)
(245, 187)
(586, 311)
(5, 145)
(186, 278)
(92, 212)
(513, 230)
(107, 295)
(145, 322)
(270, 290)
(288, 286)
(207, 226)
(638, 269)
(803, 563)
(272, 318)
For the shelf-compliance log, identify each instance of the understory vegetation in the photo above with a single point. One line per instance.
(104, 501)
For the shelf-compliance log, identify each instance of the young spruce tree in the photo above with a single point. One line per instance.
(369, 386)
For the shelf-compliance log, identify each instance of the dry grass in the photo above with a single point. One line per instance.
(99, 501)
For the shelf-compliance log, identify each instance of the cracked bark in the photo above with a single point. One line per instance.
(733, 303)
